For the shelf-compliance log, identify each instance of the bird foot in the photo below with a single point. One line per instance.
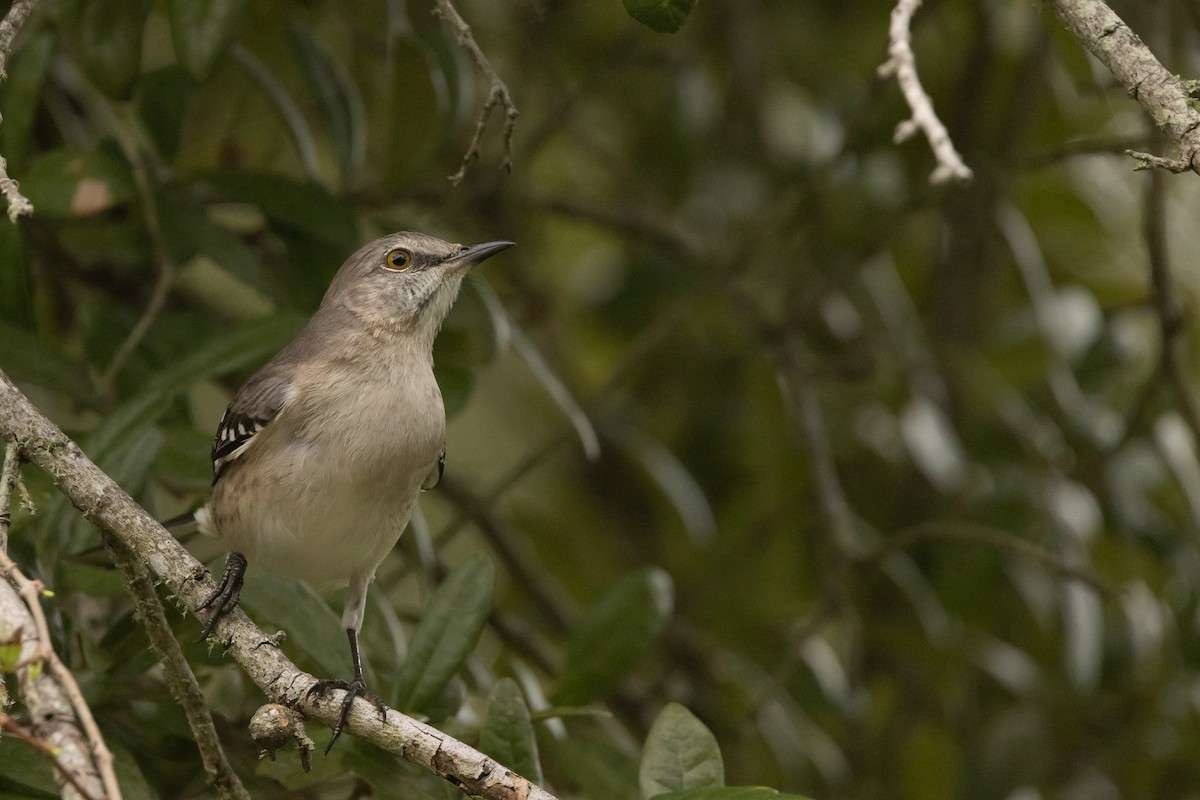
(353, 689)
(225, 597)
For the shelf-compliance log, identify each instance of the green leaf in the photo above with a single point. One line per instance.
(336, 96)
(77, 183)
(664, 16)
(730, 793)
(447, 633)
(507, 734)
(162, 103)
(200, 32)
(130, 779)
(310, 624)
(301, 206)
(21, 97)
(25, 771)
(27, 359)
(108, 40)
(614, 635)
(680, 753)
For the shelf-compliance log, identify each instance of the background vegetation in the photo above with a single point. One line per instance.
(894, 486)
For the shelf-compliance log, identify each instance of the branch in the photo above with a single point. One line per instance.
(903, 65)
(18, 204)
(10, 476)
(107, 506)
(1163, 95)
(9, 603)
(179, 675)
(498, 93)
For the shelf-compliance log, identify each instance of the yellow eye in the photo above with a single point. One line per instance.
(399, 260)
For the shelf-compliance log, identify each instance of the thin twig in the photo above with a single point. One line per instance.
(903, 64)
(179, 675)
(1164, 95)
(974, 533)
(1166, 307)
(30, 592)
(498, 93)
(18, 204)
(163, 263)
(107, 506)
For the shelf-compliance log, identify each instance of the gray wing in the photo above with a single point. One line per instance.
(253, 408)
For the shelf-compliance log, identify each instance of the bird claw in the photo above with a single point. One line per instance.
(353, 689)
(225, 597)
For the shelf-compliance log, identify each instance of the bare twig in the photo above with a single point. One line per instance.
(1162, 94)
(165, 267)
(53, 698)
(9, 27)
(107, 506)
(973, 533)
(903, 65)
(498, 93)
(18, 204)
(179, 675)
(1170, 314)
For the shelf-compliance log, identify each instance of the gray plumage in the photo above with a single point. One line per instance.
(319, 458)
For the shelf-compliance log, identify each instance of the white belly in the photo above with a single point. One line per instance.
(326, 502)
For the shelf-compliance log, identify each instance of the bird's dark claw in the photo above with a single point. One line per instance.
(225, 597)
(353, 689)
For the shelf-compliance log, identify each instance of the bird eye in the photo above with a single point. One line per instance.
(399, 260)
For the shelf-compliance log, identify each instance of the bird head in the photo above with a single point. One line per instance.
(406, 282)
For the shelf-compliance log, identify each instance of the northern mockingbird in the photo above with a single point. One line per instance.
(318, 460)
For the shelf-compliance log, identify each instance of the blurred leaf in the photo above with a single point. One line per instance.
(337, 97)
(680, 753)
(730, 793)
(286, 105)
(16, 281)
(614, 635)
(21, 96)
(77, 183)
(162, 102)
(311, 625)
(27, 359)
(455, 383)
(302, 206)
(449, 628)
(200, 32)
(601, 768)
(108, 37)
(507, 733)
(130, 779)
(664, 16)
(24, 772)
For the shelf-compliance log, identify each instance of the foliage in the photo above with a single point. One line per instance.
(894, 494)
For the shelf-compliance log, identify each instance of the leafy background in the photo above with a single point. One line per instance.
(891, 486)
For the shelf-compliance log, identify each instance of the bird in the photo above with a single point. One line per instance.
(319, 458)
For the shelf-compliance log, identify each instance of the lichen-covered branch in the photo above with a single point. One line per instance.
(18, 204)
(106, 505)
(1161, 93)
(903, 65)
(179, 675)
(498, 93)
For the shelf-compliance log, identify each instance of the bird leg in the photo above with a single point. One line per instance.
(353, 689)
(225, 597)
